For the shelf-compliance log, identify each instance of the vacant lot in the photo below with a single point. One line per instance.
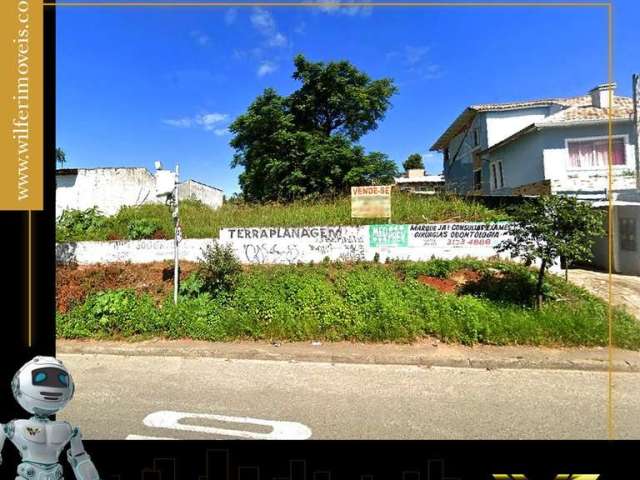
(462, 301)
(200, 221)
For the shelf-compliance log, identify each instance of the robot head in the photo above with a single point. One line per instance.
(43, 386)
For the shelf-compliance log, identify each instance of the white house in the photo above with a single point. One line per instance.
(416, 180)
(109, 189)
(555, 145)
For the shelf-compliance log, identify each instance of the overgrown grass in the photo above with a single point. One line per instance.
(200, 221)
(362, 302)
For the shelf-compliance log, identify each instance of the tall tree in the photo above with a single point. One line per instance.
(550, 227)
(61, 157)
(304, 144)
(413, 161)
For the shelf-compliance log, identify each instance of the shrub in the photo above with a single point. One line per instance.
(191, 287)
(87, 224)
(219, 268)
(142, 228)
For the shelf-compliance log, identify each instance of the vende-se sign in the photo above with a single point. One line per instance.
(372, 201)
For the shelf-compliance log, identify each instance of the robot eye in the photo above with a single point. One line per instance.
(64, 379)
(39, 377)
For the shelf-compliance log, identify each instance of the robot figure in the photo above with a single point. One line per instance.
(43, 387)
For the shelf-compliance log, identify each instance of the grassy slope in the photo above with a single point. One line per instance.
(199, 221)
(364, 302)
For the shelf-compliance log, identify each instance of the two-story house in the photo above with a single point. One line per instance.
(557, 145)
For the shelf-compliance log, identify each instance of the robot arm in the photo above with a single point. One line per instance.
(83, 467)
(6, 431)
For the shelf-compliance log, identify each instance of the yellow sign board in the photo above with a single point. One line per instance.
(371, 201)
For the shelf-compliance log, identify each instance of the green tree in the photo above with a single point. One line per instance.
(61, 157)
(413, 161)
(303, 145)
(549, 227)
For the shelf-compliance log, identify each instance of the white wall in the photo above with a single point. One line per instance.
(501, 125)
(112, 188)
(563, 178)
(308, 244)
(107, 188)
(197, 191)
(134, 251)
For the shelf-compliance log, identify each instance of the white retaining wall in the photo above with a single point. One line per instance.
(279, 245)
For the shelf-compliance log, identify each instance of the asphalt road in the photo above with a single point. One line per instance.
(115, 394)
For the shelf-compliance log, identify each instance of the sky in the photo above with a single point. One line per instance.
(140, 84)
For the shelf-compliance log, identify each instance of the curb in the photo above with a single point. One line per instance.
(421, 357)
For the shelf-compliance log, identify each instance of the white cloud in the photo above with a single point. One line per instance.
(301, 28)
(350, 11)
(201, 38)
(221, 131)
(179, 122)
(266, 68)
(416, 60)
(230, 16)
(206, 121)
(264, 24)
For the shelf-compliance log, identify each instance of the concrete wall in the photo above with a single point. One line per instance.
(110, 189)
(107, 188)
(565, 180)
(210, 196)
(458, 175)
(522, 164)
(501, 125)
(624, 261)
(134, 251)
(311, 244)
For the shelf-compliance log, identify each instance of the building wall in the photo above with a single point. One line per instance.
(459, 173)
(565, 180)
(107, 188)
(501, 125)
(624, 261)
(493, 127)
(210, 196)
(522, 164)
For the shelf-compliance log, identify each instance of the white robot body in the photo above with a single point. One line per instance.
(44, 386)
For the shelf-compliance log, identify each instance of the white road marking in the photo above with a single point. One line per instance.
(280, 430)
(143, 437)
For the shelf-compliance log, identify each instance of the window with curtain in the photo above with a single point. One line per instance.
(595, 153)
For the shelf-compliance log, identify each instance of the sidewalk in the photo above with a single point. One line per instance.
(625, 289)
(428, 353)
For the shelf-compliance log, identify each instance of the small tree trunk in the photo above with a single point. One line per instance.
(543, 267)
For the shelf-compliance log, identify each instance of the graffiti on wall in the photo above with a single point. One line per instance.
(293, 245)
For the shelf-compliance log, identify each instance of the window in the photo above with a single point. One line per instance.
(497, 177)
(477, 180)
(628, 234)
(595, 153)
(476, 137)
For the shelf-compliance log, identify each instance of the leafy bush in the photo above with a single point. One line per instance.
(191, 287)
(219, 268)
(74, 225)
(142, 228)
(110, 313)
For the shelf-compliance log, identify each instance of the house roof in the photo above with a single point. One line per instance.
(421, 179)
(581, 112)
(575, 109)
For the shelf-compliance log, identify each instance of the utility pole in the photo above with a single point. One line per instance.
(636, 124)
(176, 241)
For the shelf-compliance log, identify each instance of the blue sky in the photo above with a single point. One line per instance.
(136, 85)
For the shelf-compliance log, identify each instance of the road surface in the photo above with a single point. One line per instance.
(116, 393)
